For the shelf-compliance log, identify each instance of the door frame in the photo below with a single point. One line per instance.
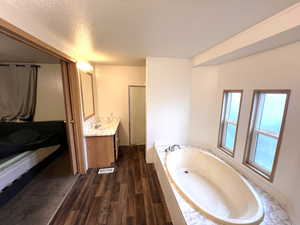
(129, 112)
(70, 74)
(74, 115)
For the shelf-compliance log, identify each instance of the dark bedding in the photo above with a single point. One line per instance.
(20, 137)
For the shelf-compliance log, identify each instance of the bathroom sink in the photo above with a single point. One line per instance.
(102, 126)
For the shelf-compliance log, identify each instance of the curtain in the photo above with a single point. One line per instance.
(18, 86)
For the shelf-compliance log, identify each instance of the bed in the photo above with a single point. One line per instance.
(23, 146)
(13, 167)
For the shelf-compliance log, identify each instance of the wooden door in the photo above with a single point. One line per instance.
(73, 116)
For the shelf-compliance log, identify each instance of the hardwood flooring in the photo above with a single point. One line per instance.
(129, 196)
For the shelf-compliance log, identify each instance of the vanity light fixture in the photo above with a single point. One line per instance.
(84, 66)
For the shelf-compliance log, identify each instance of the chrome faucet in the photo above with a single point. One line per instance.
(172, 148)
(98, 126)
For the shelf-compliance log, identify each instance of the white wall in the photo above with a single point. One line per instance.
(275, 69)
(112, 93)
(203, 121)
(50, 97)
(168, 101)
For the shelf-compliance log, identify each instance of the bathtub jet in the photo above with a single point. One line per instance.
(213, 187)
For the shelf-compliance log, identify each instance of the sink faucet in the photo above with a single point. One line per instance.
(97, 126)
(172, 148)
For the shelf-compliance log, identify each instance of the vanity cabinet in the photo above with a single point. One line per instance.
(116, 144)
(102, 151)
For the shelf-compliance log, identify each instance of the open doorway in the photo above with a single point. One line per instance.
(38, 147)
(137, 115)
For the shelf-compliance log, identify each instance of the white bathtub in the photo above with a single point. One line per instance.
(213, 188)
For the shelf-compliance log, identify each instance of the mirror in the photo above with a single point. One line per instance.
(87, 94)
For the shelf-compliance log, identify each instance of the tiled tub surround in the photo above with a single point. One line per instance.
(274, 213)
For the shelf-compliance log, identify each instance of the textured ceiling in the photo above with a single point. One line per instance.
(126, 31)
(15, 51)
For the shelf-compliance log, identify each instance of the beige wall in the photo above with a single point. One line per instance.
(275, 69)
(168, 101)
(50, 97)
(112, 93)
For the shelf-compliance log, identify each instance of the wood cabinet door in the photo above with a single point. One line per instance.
(100, 151)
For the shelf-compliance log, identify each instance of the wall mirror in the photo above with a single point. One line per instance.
(87, 94)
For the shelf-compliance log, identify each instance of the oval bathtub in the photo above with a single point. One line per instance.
(214, 188)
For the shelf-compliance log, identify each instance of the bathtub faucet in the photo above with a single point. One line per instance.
(172, 148)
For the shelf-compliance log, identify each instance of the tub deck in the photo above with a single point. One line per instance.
(274, 213)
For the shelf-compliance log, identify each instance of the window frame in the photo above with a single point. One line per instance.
(252, 133)
(224, 123)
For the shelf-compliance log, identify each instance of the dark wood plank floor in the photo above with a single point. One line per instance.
(130, 196)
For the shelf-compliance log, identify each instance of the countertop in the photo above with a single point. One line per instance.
(106, 129)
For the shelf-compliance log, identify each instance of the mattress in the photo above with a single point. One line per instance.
(11, 168)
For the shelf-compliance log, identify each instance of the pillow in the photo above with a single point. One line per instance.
(23, 136)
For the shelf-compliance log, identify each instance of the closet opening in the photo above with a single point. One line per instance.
(137, 115)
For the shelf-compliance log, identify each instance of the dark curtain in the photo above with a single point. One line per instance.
(18, 86)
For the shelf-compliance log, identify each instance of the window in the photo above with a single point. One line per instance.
(265, 131)
(229, 121)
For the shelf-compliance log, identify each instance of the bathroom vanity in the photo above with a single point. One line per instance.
(102, 144)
